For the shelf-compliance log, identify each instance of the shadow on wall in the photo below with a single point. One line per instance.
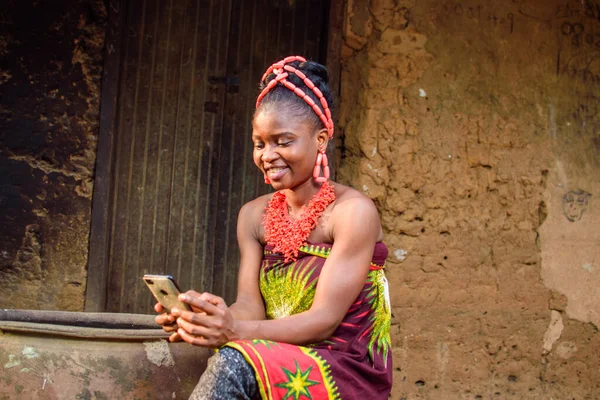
(50, 79)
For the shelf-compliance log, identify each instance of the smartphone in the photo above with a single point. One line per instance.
(165, 290)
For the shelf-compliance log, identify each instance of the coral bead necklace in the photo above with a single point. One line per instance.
(287, 235)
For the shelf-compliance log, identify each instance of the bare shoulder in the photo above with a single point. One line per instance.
(249, 223)
(353, 211)
(351, 200)
(253, 209)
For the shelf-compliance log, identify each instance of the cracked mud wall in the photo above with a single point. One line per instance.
(474, 126)
(50, 81)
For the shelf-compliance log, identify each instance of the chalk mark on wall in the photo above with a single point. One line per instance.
(575, 203)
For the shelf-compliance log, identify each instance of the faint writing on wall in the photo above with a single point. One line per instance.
(579, 35)
(577, 24)
(588, 108)
(575, 203)
(481, 14)
(581, 61)
(578, 9)
(579, 30)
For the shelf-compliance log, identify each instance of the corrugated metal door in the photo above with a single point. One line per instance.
(182, 154)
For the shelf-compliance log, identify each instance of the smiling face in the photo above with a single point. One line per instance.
(285, 147)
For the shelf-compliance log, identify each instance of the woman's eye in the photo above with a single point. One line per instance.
(283, 144)
(258, 145)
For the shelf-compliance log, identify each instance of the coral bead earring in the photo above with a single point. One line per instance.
(267, 181)
(321, 165)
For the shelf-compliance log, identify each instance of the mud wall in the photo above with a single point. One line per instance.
(50, 81)
(474, 126)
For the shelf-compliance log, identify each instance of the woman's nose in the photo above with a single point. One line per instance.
(269, 154)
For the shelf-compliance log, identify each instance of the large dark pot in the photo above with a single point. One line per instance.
(72, 355)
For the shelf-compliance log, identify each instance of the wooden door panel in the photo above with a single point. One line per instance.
(182, 159)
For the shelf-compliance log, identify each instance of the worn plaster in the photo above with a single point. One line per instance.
(483, 116)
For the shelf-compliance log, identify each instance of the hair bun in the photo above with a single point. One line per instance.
(311, 69)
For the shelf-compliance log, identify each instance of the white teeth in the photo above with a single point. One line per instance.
(276, 169)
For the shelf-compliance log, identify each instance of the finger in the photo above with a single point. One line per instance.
(192, 293)
(164, 319)
(193, 329)
(175, 337)
(197, 310)
(159, 319)
(196, 341)
(189, 315)
(195, 318)
(211, 298)
(195, 295)
(203, 305)
(170, 328)
(176, 312)
(159, 308)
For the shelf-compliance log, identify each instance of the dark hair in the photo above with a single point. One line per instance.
(293, 103)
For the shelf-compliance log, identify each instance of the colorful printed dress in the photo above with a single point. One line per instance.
(354, 363)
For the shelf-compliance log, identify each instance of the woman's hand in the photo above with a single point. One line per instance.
(209, 325)
(168, 323)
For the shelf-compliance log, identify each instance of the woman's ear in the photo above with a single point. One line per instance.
(322, 139)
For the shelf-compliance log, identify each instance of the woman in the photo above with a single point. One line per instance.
(312, 315)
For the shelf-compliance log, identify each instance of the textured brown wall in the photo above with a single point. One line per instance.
(467, 121)
(50, 81)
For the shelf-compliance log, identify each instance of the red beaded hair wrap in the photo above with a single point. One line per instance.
(281, 231)
(281, 69)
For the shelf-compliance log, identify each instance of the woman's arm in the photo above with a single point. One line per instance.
(249, 304)
(355, 227)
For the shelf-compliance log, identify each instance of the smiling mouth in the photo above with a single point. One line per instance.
(276, 173)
